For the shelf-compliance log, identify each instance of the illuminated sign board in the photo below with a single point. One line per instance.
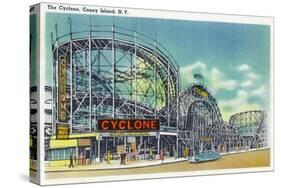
(128, 125)
(62, 80)
(62, 132)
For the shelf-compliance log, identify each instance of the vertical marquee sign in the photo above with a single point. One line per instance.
(62, 79)
(62, 131)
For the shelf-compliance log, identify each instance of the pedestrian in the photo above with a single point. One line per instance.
(108, 157)
(162, 156)
(121, 158)
(81, 158)
(84, 159)
(176, 154)
(125, 155)
(71, 161)
(150, 154)
(93, 158)
(187, 152)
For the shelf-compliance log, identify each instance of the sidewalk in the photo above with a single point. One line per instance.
(243, 151)
(115, 164)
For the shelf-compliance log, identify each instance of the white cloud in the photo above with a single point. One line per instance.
(196, 66)
(249, 76)
(237, 104)
(252, 76)
(242, 93)
(243, 67)
(245, 92)
(259, 91)
(247, 83)
(216, 79)
(187, 72)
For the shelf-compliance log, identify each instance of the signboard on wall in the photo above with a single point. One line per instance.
(84, 142)
(131, 139)
(62, 132)
(62, 92)
(128, 125)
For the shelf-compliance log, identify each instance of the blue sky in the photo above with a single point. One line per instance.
(233, 58)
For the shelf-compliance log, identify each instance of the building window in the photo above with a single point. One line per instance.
(60, 154)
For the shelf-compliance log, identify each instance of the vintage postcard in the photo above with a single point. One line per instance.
(122, 93)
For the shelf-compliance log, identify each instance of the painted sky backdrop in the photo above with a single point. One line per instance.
(233, 58)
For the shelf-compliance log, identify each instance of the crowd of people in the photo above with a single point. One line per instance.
(73, 160)
(123, 157)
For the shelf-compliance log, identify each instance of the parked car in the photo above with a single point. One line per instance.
(205, 156)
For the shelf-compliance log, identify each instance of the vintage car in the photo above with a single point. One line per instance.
(205, 156)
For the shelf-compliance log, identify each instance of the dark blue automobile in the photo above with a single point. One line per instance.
(205, 156)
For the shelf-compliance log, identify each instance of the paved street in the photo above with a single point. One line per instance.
(259, 158)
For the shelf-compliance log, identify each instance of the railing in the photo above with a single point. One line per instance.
(107, 31)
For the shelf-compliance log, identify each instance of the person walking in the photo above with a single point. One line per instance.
(187, 152)
(75, 159)
(81, 159)
(108, 157)
(124, 158)
(71, 161)
(176, 154)
(150, 154)
(162, 156)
